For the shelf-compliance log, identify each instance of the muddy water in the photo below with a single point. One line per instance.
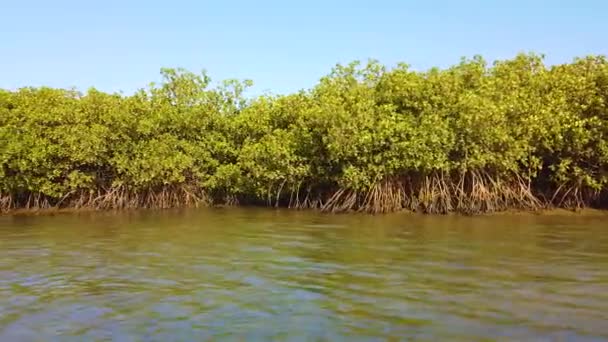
(284, 275)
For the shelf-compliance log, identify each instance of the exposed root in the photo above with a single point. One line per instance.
(575, 196)
(6, 203)
(230, 200)
(162, 198)
(433, 196)
(469, 193)
(385, 196)
(436, 193)
(309, 201)
(120, 197)
(342, 200)
(37, 201)
(482, 193)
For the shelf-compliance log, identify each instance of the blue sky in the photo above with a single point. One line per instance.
(283, 46)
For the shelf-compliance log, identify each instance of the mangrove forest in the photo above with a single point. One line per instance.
(472, 138)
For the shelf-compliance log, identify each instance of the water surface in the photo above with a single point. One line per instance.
(284, 275)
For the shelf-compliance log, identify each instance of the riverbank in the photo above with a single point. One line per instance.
(582, 212)
(473, 138)
(553, 212)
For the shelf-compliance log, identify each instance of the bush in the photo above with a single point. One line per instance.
(470, 138)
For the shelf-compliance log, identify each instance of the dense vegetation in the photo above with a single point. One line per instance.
(470, 138)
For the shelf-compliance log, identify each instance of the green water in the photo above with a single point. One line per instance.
(250, 274)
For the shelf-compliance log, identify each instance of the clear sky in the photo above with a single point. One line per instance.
(282, 45)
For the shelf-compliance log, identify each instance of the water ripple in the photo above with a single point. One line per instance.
(280, 275)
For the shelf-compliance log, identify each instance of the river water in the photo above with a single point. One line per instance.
(257, 274)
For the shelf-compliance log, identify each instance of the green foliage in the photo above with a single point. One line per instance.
(361, 125)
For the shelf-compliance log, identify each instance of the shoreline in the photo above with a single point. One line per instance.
(582, 212)
(469, 138)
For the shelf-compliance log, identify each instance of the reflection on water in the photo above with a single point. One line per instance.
(249, 273)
